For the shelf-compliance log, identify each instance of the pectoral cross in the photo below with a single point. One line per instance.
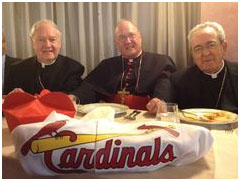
(123, 93)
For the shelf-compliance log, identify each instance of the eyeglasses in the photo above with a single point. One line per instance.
(44, 40)
(210, 46)
(123, 38)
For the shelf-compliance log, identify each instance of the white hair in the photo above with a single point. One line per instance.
(217, 27)
(36, 25)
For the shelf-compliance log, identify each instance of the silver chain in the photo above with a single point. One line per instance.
(40, 81)
(222, 85)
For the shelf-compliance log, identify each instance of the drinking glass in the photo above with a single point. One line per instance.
(168, 112)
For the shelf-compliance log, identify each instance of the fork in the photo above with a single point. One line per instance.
(132, 115)
(200, 118)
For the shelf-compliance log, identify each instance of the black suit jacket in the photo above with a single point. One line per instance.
(191, 88)
(63, 75)
(104, 79)
(9, 61)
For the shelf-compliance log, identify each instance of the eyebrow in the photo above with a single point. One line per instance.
(205, 44)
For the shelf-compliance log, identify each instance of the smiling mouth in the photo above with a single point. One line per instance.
(129, 48)
(48, 51)
(208, 60)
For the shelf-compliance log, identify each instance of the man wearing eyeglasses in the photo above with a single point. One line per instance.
(131, 78)
(212, 82)
(48, 69)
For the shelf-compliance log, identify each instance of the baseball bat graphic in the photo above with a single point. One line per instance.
(53, 143)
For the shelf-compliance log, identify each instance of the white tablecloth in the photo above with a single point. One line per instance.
(221, 162)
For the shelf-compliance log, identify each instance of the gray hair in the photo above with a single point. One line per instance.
(217, 27)
(128, 21)
(36, 25)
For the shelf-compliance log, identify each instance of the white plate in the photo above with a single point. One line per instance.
(208, 116)
(119, 108)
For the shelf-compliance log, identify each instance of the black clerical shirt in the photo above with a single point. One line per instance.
(191, 88)
(64, 75)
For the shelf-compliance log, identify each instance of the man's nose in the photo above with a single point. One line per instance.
(128, 39)
(47, 43)
(205, 51)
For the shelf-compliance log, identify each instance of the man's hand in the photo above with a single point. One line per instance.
(16, 90)
(154, 104)
(74, 98)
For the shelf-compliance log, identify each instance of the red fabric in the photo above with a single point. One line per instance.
(132, 101)
(23, 108)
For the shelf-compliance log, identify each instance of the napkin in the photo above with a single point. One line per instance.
(23, 108)
(98, 143)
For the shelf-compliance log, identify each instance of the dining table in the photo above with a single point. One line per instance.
(221, 162)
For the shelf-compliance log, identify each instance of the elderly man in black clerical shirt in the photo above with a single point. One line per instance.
(212, 82)
(48, 70)
(131, 78)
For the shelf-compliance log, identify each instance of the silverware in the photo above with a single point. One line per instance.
(200, 118)
(132, 115)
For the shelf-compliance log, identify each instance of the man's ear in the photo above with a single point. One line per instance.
(31, 40)
(224, 47)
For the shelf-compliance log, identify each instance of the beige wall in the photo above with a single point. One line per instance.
(225, 13)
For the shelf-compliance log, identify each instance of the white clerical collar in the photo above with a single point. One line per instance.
(131, 59)
(214, 75)
(48, 63)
